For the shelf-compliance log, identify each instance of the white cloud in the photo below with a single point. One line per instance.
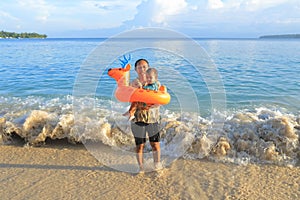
(117, 6)
(111, 5)
(215, 4)
(156, 13)
(212, 16)
(6, 15)
(165, 8)
(45, 15)
(246, 5)
(102, 14)
(8, 21)
(253, 5)
(289, 21)
(215, 17)
(40, 8)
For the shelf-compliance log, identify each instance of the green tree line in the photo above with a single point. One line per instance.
(4, 34)
(280, 36)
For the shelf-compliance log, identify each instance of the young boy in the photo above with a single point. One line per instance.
(151, 84)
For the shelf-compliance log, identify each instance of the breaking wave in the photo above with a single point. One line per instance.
(260, 135)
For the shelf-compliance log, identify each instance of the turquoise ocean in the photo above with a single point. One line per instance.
(261, 89)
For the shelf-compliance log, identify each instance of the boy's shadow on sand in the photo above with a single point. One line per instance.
(53, 167)
(128, 165)
(67, 167)
(62, 144)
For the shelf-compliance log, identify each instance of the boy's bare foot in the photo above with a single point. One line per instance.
(158, 166)
(141, 170)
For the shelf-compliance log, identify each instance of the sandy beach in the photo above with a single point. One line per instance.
(59, 170)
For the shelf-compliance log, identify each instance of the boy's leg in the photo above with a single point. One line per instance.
(154, 138)
(156, 151)
(139, 155)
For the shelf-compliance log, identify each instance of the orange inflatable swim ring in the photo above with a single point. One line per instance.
(126, 93)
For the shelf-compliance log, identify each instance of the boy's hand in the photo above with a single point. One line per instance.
(152, 106)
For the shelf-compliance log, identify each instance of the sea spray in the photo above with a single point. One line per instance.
(247, 136)
(38, 126)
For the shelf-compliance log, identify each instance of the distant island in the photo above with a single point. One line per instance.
(284, 36)
(7, 35)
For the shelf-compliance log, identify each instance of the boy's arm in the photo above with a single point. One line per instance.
(158, 84)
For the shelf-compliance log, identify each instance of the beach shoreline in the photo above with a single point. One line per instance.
(59, 170)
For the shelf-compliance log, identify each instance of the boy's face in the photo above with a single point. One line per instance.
(150, 77)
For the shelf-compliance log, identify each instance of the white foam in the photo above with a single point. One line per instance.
(261, 135)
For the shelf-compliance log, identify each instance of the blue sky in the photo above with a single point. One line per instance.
(195, 18)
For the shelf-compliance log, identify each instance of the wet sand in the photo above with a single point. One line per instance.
(64, 171)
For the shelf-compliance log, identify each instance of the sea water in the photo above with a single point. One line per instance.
(259, 120)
